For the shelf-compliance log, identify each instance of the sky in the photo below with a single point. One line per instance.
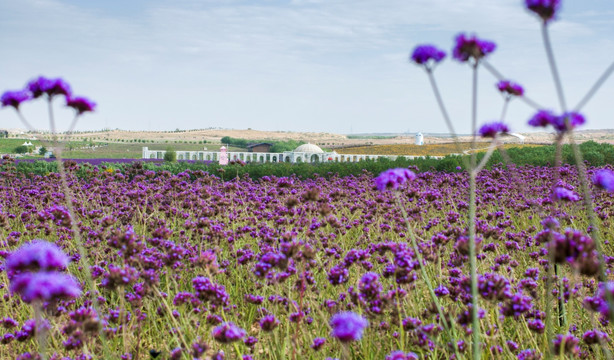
(296, 65)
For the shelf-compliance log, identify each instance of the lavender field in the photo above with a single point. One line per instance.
(189, 266)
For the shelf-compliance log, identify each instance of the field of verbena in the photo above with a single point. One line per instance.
(298, 249)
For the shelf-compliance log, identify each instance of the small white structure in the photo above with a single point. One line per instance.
(308, 153)
(27, 143)
(223, 156)
(419, 139)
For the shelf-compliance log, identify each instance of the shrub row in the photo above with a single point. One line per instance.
(595, 154)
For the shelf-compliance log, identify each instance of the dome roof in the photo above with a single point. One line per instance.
(309, 148)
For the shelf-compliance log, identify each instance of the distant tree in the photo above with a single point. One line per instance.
(42, 150)
(170, 155)
(21, 149)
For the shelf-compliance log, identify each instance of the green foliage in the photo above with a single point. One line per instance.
(170, 155)
(21, 149)
(42, 150)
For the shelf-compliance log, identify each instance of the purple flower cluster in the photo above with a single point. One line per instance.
(510, 88)
(545, 9)
(490, 130)
(34, 271)
(393, 178)
(348, 326)
(604, 179)
(51, 88)
(561, 124)
(427, 55)
(227, 333)
(471, 47)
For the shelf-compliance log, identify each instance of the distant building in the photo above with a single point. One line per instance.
(308, 153)
(259, 148)
(419, 139)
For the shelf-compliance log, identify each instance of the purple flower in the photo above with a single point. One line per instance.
(268, 323)
(493, 128)
(37, 255)
(594, 337)
(15, 98)
(471, 47)
(392, 178)
(427, 55)
(206, 290)
(560, 193)
(604, 179)
(543, 118)
(80, 104)
(567, 344)
(348, 326)
(51, 87)
(45, 286)
(529, 354)
(400, 355)
(546, 9)
(575, 119)
(318, 343)
(228, 332)
(510, 88)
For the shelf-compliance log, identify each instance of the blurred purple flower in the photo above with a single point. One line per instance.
(575, 119)
(51, 87)
(471, 47)
(400, 355)
(15, 98)
(80, 104)
(37, 255)
(560, 193)
(427, 55)
(595, 337)
(604, 179)
(494, 128)
(392, 178)
(546, 9)
(566, 344)
(45, 286)
(268, 323)
(348, 326)
(228, 332)
(510, 88)
(543, 118)
(318, 343)
(529, 354)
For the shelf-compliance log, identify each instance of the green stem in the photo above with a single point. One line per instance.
(475, 321)
(444, 112)
(553, 68)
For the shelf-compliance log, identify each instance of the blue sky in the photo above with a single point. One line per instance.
(297, 65)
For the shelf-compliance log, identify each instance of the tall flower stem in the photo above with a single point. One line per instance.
(505, 104)
(75, 230)
(41, 332)
(582, 173)
(553, 68)
(475, 322)
(595, 87)
(444, 112)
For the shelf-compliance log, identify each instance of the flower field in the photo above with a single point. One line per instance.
(188, 266)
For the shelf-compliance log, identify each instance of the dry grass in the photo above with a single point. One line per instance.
(419, 150)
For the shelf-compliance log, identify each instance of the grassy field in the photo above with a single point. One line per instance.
(418, 150)
(110, 150)
(7, 146)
